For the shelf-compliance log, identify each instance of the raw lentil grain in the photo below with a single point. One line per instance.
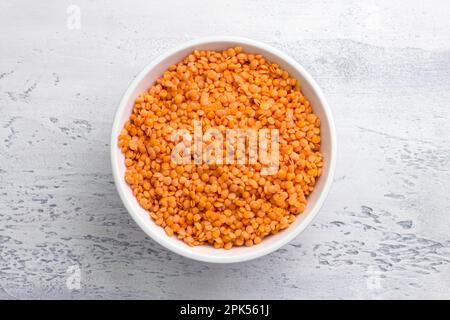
(222, 205)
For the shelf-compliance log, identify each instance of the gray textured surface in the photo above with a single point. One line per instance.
(384, 229)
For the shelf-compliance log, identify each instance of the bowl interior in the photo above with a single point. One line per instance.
(271, 243)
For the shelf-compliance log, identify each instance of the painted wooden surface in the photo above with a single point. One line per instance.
(384, 229)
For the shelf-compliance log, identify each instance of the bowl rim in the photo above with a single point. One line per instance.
(167, 241)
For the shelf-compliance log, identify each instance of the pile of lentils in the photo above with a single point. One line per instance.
(222, 205)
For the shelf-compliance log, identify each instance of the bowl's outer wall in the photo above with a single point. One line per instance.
(328, 148)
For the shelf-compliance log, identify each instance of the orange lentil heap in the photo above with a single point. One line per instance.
(223, 205)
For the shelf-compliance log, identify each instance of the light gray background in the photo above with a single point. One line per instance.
(384, 229)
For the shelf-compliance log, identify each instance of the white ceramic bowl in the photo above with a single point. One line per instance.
(328, 148)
